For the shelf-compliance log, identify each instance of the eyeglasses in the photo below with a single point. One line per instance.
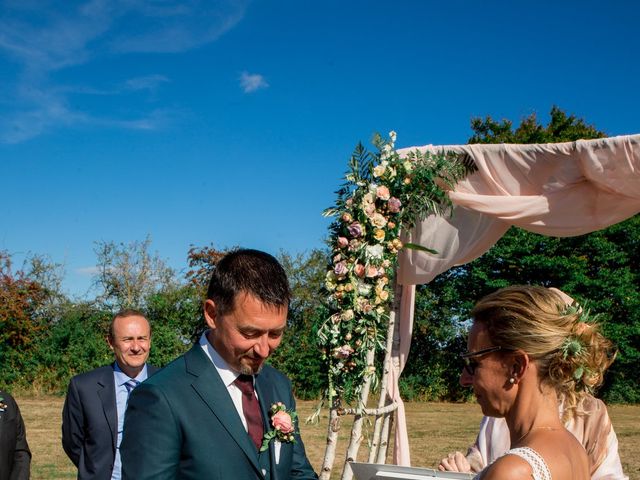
(470, 364)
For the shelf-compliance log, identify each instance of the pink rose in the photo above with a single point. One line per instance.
(359, 270)
(344, 351)
(355, 229)
(369, 210)
(354, 245)
(340, 269)
(382, 192)
(394, 205)
(282, 421)
(342, 242)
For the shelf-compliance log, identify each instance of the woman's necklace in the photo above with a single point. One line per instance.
(551, 429)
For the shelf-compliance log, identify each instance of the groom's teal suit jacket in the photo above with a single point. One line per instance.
(182, 424)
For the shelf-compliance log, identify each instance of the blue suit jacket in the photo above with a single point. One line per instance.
(90, 422)
(182, 424)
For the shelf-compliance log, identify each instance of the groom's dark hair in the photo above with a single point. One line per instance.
(253, 272)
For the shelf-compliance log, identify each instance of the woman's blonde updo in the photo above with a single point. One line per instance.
(571, 354)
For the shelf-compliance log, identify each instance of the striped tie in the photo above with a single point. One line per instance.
(130, 385)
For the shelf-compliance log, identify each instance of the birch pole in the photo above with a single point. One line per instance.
(332, 440)
(387, 365)
(356, 430)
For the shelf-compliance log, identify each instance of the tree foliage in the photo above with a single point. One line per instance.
(298, 355)
(202, 261)
(20, 298)
(129, 273)
(561, 128)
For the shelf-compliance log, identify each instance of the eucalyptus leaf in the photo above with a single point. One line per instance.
(421, 248)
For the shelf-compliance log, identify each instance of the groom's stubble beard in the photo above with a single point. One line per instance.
(247, 370)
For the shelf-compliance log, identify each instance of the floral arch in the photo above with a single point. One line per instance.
(405, 216)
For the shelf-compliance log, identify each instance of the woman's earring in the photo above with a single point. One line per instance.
(512, 380)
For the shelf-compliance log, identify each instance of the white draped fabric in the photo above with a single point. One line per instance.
(558, 189)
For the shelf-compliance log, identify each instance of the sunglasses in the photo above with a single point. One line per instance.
(469, 358)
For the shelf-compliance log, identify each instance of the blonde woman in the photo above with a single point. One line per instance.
(527, 349)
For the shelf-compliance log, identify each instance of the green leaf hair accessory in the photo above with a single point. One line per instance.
(577, 375)
(571, 347)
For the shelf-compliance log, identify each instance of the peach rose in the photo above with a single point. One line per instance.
(372, 271)
(382, 192)
(282, 421)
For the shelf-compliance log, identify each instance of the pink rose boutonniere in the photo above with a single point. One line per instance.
(283, 422)
(3, 406)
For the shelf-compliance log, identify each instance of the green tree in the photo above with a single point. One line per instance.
(74, 344)
(561, 128)
(600, 269)
(176, 322)
(298, 354)
(129, 273)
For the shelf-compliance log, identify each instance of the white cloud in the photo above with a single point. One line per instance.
(88, 271)
(250, 82)
(47, 36)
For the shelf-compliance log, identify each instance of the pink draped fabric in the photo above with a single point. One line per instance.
(560, 189)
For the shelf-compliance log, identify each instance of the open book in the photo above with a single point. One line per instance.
(375, 471)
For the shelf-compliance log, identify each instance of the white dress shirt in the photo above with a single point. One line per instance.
(228, 376)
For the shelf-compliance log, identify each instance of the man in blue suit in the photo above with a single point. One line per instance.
(93, 413)
(205, 414)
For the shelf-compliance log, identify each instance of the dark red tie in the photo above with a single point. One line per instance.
(251, 409)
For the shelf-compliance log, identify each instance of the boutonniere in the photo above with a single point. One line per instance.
(283, 422)
(3, 406)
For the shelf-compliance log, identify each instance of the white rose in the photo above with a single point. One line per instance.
(379, 170)
(375, 251)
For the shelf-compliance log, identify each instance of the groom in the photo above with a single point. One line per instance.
(205, 414)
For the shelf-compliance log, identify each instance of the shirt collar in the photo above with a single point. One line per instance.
(121, 378)
(227, 374)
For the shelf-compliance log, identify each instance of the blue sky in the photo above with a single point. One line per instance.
(231, 122)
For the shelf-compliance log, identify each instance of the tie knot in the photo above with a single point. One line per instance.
(131, 384)
(245, 384)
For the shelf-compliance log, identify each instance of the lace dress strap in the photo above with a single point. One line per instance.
(533, 458)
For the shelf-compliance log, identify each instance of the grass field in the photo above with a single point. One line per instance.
(434, 430)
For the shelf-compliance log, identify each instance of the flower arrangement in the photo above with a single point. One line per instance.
(383, 193)
(283, 422)
(574, 349)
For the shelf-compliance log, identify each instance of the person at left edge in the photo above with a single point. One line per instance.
(93, 413)
(15, 456)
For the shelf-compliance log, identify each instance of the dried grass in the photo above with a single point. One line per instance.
(435, 429)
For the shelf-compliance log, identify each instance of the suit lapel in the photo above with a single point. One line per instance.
(210, 388)
(267, 397)
(107, 394)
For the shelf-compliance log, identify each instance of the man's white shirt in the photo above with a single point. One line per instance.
(229, 376)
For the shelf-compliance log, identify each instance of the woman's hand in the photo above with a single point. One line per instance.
(454, 462)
